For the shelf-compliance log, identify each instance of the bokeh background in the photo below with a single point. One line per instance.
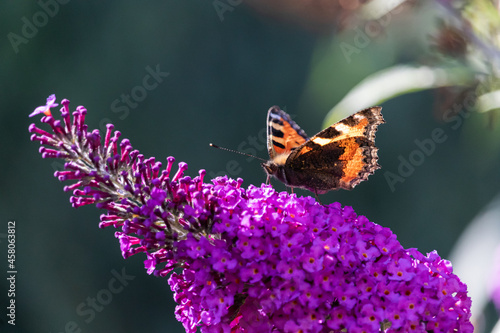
(222, 64)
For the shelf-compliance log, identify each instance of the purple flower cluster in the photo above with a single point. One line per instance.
(254, 260)
(290, 264)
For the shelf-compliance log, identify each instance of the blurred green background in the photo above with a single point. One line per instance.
(227, 63)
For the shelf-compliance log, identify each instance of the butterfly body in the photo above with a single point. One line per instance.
(340, 156)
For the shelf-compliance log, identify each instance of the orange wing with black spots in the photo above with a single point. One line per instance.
(283, 134)
(340, 156)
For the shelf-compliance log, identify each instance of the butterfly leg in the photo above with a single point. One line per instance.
(317, 197)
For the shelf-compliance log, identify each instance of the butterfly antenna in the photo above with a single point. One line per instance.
(237, 152)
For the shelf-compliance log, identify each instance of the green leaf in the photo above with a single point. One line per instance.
(395, 81)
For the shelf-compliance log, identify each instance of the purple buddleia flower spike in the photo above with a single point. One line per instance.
(252, 259)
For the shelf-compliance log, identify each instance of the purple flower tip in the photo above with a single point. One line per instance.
(45, 109)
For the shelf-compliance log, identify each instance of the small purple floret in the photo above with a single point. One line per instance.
(45, 109)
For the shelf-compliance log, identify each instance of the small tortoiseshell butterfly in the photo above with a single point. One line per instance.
(340, 156)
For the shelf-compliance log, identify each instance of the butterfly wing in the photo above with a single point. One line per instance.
(340, 156)
(283, 134)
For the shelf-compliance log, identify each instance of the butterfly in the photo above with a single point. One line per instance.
(340, 156)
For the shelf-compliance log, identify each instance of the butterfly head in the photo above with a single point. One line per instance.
(270, 168)
(275, 167)
(273, 170)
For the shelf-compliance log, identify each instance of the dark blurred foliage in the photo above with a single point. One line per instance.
(225, 68)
